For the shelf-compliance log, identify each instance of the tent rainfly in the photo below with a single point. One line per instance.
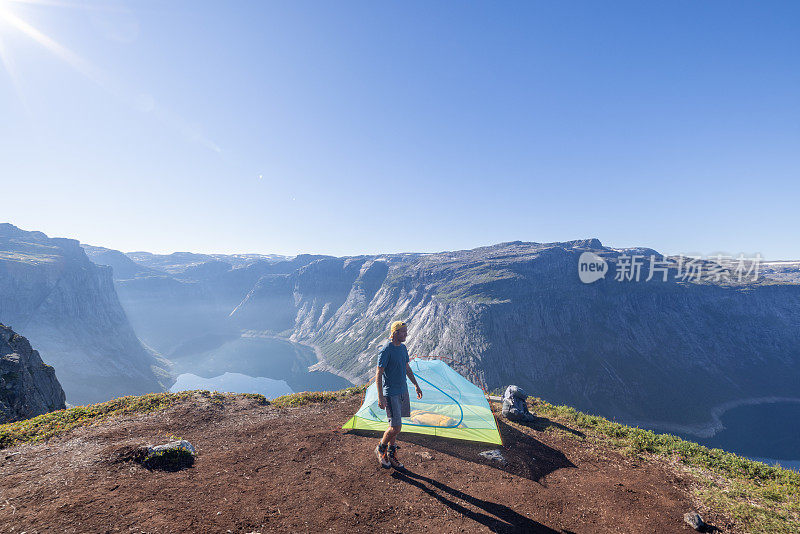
(451, 406)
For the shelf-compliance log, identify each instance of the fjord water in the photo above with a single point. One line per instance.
(265, 365)
(767, 432)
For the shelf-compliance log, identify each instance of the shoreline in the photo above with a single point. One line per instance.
(321, 364)
(714, 426)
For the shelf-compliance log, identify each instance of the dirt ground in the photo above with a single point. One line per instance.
(261, 468)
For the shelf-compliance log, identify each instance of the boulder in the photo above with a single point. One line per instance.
(494, 455)
(171, 456)
(694, 520)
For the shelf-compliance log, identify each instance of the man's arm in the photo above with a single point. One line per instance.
(410, 375)
(379, 384)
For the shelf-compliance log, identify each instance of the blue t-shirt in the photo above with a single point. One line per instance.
(393, 358)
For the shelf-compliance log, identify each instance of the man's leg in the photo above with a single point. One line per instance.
(382, 450)
(401, 406)
(394, 413)
(390, 435)
(392, 449)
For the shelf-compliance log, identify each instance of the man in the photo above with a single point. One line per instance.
(390, 379)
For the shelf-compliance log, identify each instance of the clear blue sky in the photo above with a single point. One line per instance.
(367, 127)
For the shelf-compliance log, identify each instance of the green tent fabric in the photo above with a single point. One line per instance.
(451, 406)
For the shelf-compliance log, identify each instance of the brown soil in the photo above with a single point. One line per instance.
(260, 468)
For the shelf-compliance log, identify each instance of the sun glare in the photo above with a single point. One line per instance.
(5, 7)
(10, 20)
(5, 58)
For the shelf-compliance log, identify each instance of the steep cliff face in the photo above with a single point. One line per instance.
(518, 313)
(28, 387)
(68, 308)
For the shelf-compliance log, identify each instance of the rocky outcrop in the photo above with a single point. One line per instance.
(67, 307)
(28, 387)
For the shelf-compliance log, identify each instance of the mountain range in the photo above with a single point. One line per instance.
(665, 352)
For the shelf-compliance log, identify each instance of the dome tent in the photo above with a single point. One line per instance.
(451, 406)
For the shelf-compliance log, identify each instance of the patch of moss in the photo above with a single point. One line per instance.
(51, 424)
(43, 427)
(217, 398)
(311, 397)
(306, 397)
(260, 399)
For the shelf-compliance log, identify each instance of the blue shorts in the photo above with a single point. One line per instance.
(397, 407)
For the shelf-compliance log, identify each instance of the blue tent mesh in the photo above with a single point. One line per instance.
(451, 406)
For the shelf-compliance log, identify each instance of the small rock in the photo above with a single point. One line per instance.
(695, 521)
(180, 444)
(495, 455)
(425, 455)
(171, 456)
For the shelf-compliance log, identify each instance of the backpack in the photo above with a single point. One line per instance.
(514, 406)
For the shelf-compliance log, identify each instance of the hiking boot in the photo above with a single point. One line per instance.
(393, 457)
(383, 456)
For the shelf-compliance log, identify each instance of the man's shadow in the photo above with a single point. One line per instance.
(542, 423)
(498, 517)
(524, 455)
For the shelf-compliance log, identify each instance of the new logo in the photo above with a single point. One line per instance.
(591, 267)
